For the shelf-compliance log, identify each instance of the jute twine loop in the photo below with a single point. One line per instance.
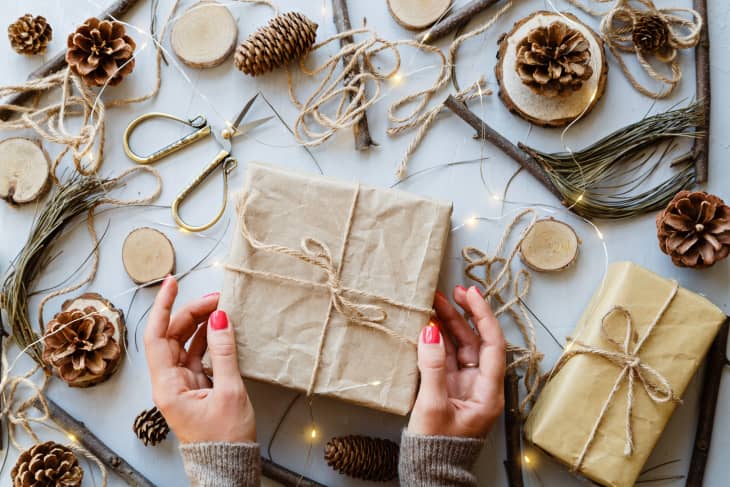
(498, 279)
(617, 26)
(315, 252)
(624, 354)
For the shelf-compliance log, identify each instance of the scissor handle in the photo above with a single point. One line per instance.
(229, 164)
(198, 122)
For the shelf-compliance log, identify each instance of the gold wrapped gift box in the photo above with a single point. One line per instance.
(581, 415)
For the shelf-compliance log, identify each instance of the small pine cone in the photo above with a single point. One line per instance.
(150, 427)
(363, 457)
(554, 60)
(650, 33)
(30, 35)
(287, 37)
(694, 229)
(47, 464)
(101, 52)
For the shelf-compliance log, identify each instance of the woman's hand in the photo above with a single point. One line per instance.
(196, 410)
(462, 372)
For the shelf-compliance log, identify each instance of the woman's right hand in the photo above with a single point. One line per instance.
(195, 409)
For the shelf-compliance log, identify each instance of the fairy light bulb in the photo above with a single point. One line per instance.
(397, 78)
(471, 222)
(527, 460)
(72, 438)
(313, 433)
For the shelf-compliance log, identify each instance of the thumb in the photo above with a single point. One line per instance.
(223, 355)
(432, 364)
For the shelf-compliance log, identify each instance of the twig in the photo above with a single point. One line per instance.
(94, 445)
(512, 423)
(701, 146)
(716, 362)
(285, 476)
(456, 20)
(487, 133)
(341, 17)
(58, 62)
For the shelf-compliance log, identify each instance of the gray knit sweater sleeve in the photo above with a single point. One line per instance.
(437, 461)
(222, 464)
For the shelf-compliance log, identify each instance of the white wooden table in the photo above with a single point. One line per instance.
(110, 408)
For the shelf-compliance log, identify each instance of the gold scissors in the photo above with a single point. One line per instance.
(203, 130)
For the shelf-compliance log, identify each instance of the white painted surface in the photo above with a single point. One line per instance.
(109, 409)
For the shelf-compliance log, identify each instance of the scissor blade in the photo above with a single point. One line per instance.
(245, 110)
(249, 126)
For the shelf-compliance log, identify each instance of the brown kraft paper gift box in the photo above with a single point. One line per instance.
(588, 391)
(315, 263)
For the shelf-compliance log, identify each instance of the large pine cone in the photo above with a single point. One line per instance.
(30, 35)
(554, 60)
(650, 33)
(81, 347)
(287, 37)
(47, 464)
(150, 427)
(100, 51)
(694, 229)
(363, 457)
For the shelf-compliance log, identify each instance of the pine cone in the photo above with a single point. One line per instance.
(554, 60)
(100, 51)
(694, 229)
(650, 33)
(30, 35)
(47, 464)
(287, 37)
(363, 457)
(150, 426)
(82, 344)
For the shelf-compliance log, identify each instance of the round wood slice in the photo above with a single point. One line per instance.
(549, 246)
(538, 109)
(24, 170)
(205, 35)
(116, 317)
(148, 255)
(418, 14)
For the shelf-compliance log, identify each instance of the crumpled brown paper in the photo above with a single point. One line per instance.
(395, 247)
(567, 409)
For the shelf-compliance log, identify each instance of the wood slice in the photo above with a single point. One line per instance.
(116, 317)
(418, 14)
(538, 109)
(205, 35)
(24, 170)
(148, 255)
(549, 246)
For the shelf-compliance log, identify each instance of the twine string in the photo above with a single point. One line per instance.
(623, 353)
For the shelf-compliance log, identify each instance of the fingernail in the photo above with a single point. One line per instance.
(461, 288)
(210, 295)
(166, 281)
(476, 289)
(431, 335)
(218, 320)
(440, 294)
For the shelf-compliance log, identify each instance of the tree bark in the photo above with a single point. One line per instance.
(284, 476)
(714, 368)
(58, 62)
(91, 442)
(701, 147)
(456, 20)
(485, 132)
(512, 425)
(341, 17)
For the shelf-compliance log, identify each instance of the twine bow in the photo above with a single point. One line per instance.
(317, 253)
(624, 353)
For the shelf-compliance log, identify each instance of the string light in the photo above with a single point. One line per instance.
(527, 459)
(72, 437)
(472, 221)
(313, 433)
(397, 78)
(496, 197)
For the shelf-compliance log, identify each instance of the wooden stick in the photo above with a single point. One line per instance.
(714, 368)
(487, 133)
(58, 62)
(701, 146)
(285, 476)
(456, 20)
(93, 444)
(512, 425)
(341, 17)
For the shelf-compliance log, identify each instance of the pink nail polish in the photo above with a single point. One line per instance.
(461, 288)
(210, 295)
(431, 335)
(218, 320)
